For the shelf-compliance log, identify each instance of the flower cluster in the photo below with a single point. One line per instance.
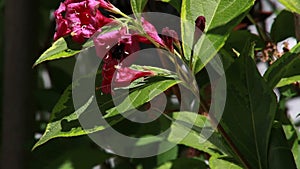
(122, 43)
(80, 19)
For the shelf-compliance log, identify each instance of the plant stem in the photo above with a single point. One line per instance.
(262, 33)
(119, 12)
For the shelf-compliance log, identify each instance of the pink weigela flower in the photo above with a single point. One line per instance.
(151, 32)
(106, 5)
(120, 44)
(79, 18)
(115, 71)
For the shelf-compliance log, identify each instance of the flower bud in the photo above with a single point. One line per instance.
(199, 28)
(200, 23)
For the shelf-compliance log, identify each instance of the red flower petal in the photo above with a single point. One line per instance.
(106, 5)
(81, 17)
(151, 31)
(62, 29)
(126, 75)
(59, 11)
(103, 42)
(106, 86)
(169, 36)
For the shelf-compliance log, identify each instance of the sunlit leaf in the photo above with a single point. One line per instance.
(64, 119)
(288, 80)
(221, 17)
(209, 142)
(138, 6)
(55, 128)
(292, 5)
(142, 94)
(60, 48)
(180, 163)
(219, 163)
(282, 66)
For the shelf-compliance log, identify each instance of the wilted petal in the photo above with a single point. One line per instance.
(59, 11)
(82, 18)
(62, 29)
(105, 4)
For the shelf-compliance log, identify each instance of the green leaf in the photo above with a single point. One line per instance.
(280, 68)
(55, 128)
(280, 155)
(167, 156)
(291, 5)
(249, 113)
(228, 58)
(64, 119)
(58, 50)
(283, 26)
(219, 163)
(221, 17)
(140, 95)
(191, 163)
(175, 3)
(208, 141)
(138, 6)
(292, 136)
(158, 71)
(235, 42)
(288, 80)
